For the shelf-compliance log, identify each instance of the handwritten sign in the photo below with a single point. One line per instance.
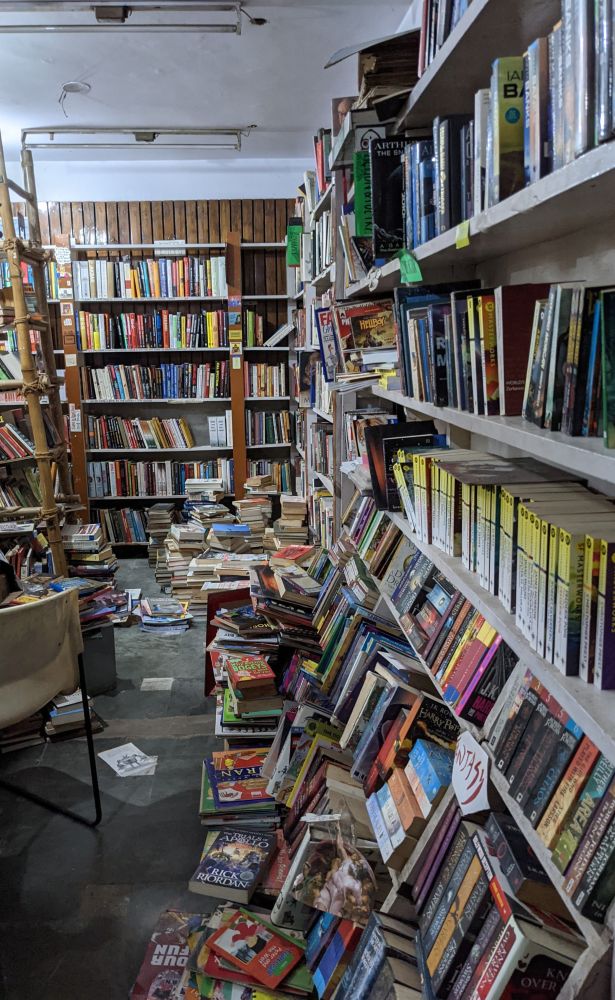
(470, 775)
(462, 235)
(293, 244)
(409, 268)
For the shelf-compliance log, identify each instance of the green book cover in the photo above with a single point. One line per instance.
(507, 112)
(362, 194)
(590, 798)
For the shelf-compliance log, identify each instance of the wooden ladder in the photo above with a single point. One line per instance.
(35, 384)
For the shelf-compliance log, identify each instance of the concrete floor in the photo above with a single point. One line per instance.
(77, 906)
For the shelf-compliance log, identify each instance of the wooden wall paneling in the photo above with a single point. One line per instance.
(202, 222)
(55, 228)
(134, 221)
(213, 211)
(66, 220)
(100, 221)
(269, 208)
(191, 223)
(76, 213)
(179, 213)
(43, 218)
(145, 212)
(112, 222)
(123, 222)
(247, 221)
(157, 221)
(259, 271)
(236, 217)
(168, 220)
(270, 272)
(89, 222)
(258, 215)
(225, 219)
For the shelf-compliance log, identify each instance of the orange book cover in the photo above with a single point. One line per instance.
(568, 790)
(406, 804)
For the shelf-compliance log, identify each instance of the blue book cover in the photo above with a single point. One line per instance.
(317, 937)
(230, 529)
(433, 766)
(234, 864)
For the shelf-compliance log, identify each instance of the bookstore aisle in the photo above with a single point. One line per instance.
(78, 906)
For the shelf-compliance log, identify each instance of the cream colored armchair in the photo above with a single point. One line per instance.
(40, 657)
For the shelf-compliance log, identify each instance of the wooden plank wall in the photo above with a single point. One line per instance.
(256, 220)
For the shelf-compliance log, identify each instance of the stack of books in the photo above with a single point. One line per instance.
(27, 733)
(65, 716)
(291, 526)
(159, 519)
(87, 552)
(252, 691)
(225, 537)
(211, 489)
(164, 616)
(256, 512)
(234, 791)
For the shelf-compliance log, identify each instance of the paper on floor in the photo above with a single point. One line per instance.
(128, 761)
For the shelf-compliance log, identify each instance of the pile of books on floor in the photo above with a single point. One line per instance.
(252, 694)
(262, 484)
(27, 733)
(291, 526)
(230, 953)
(199, 490)
(159, 520)
(287, 601)
(206, 514)
(164, 616)
(234, 790)
(225, 537)
(255, 511)
(66, 718)
(87, 552)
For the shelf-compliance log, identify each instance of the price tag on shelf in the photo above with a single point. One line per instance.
(409, 268)
(462, 235)
(471, 775)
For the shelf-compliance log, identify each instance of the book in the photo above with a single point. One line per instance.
(256, 948)
(233, 864)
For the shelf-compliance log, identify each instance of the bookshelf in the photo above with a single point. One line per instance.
(557, 229)
(250, 234)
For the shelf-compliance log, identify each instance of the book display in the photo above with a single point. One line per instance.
(366, 437)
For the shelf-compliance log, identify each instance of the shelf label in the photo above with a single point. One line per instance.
(74, 418)
(294, 233)
(70, 360)
(409, 268)
(462, 235)
(470, 775)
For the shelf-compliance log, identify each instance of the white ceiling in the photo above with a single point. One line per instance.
(271, 76)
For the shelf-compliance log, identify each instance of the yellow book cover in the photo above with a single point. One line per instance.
(470, 633)
(454, 915)
(156, 279)
(591, 572)
(507, 175)
(543, 570)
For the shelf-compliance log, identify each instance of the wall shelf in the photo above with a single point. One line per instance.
(582, 456)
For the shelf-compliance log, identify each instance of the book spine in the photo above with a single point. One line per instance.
(592, 837)
(585, 809)
(570, 787)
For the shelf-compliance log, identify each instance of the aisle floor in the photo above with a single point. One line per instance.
(77, 906)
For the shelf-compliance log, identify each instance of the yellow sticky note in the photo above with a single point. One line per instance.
(462, 235)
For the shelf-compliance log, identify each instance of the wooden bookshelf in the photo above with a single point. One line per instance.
(250, 233)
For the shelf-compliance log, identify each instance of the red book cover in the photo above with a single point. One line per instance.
(514, 311)
(166, 956)
(256, 949)
(248, 671)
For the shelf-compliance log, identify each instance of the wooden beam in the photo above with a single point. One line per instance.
(238, 408)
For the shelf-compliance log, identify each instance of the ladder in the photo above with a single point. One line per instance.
(33, 383)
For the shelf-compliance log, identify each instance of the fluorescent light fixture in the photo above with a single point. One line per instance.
(75, 137)
(110, 16)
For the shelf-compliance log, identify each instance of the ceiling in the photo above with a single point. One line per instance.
(271, 76)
